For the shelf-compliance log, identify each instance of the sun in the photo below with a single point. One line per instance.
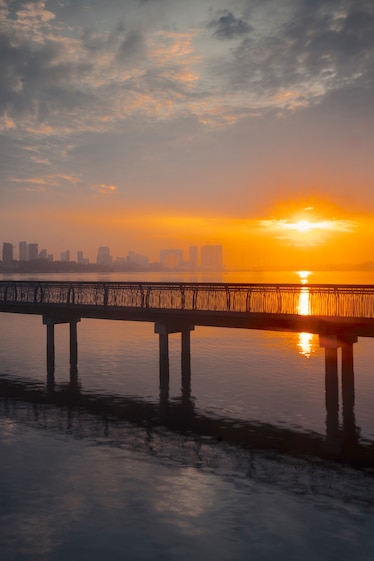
(306, 227)
(303, 225)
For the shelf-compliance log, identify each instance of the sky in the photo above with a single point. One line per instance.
(150, 124)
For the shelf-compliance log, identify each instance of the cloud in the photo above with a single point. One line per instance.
(104, 189)
(132, 46)
(307, 48)
(227, 26)
(32, 180)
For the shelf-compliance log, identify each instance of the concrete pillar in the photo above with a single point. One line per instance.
(164, 331)
(330, 344)
(164, 360)
(331, 378)
(348, 382)
(50, 348)
(350, 431)
(186, 363)
(73, 345)
(50, 322)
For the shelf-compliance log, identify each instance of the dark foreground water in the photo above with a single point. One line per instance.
(247, 466)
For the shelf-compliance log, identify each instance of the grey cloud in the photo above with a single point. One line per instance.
(227, 26)
(326, 46)
(93, 41)
(35, 78)
(133, 45)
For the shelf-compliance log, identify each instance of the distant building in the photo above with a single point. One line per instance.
(43, 254)
(103, 256)
(134, 258)
(81, 259)
(171, 258)
(65, 256)
(193, 258)
(50, 257)
(211, 258)
(23, 251)
(120, 262)
(33, 251)
(7, 252)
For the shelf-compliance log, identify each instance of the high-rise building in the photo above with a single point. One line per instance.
(103, 256)
(211, 258)
(193, 258)
(33, 251)
(43, 254)
(171, 258)
(65, 256)
(7, 252)
(23, 251)
(137, 259)
(81, 259)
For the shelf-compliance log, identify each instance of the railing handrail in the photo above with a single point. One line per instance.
(340, 300)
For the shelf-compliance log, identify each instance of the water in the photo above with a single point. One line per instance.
(101, 467)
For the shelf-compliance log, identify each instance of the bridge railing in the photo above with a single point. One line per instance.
(316, 300)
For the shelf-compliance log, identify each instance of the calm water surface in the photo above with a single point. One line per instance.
(103, 466)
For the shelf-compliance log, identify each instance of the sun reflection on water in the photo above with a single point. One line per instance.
(305, 342)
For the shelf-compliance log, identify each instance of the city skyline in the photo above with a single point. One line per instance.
(160, 124)
(208, 257)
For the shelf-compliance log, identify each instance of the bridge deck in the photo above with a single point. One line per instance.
(312, 308)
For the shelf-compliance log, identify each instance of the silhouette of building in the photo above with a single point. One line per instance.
(103, 256)
(81, 259)
(43, 254)
(65, 256)
(211, 258)
(134, 258)
(120, 262)
(33, 251)
(193, 258)
(7, 252)
(23, 251)
(171, 258)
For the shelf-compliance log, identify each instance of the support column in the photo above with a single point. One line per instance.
(186, 363)
(50, 349)
(163, 342)
(73, 345)
(164, 331)
(348, 382)
(331, 378)
(350, 431)
(330, 344)
(50, 322)
(164, 359)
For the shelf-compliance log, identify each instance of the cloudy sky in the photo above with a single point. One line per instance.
(147, 124)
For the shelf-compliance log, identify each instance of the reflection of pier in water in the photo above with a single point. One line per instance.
(179, 416)
(338, 314)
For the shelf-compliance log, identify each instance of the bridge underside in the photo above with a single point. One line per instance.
(320, 325)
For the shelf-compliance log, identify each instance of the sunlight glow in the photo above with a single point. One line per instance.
(306, 227)
(304, 276)
(305, 344)
(305, 340)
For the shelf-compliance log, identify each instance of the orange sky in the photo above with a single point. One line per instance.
(303, 239)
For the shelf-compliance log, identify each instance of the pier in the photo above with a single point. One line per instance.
(338, 314)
